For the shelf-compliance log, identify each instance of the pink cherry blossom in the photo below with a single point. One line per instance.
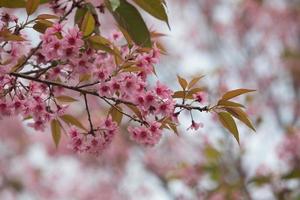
(195, 126)
(200, 97)
(146, 136)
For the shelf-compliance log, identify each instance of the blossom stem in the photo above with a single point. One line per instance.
(89, 114)
(189, 107)
(84, 92)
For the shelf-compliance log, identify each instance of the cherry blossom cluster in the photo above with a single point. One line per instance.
(94, 143)
(30, 101)
(125, 86)
(146, 136)
(12, 51)
(65, 58)
(33, 81)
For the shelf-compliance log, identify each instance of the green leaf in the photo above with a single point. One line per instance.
(79, 15)
(27, 118)
(260, 180)
(234, 93)
(56, 131)
(88, 24)
(213, 171)
(127, 36)
(65, 99)
(17, 3)
(69, 119)
(100, 43)
(12, 3)
(82, 11)
(94, 13)
(229, 123)
(115, 112)
(211, 153)
(295, 173)
(129, 18)
(114, 4)
(241, 115)
(44, 1)
(156, 8)
(31, 6)
(183, 83)
(226, 103)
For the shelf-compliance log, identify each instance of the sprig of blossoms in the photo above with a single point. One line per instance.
(94, 143)
(64, 58)
(35, 83)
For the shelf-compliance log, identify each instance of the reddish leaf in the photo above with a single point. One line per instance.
(226, 103)
(115, 112)
(31, 6)
(241, 115)
(65, 99)
(234, 93)
(69, 119)
(47, 16)
(229, 123)
(183, 83)
(194, 81)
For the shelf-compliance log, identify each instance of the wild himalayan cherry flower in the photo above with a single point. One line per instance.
(162, 90)
(55, 48)
(73, 59)
(195, 126)
(116, 36)
(148, 136)
(6, 17)
(200, 97)
(93, 143)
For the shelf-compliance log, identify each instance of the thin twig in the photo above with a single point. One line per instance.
(89, 115)
(34, 50)
(189, 107)
(106, 99)
(84, 92)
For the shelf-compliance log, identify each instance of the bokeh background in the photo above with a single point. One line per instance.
(235, 44)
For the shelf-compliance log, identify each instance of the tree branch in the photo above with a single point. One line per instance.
(189, 107)
(89, 115)
(84, 92)
(34, 50)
